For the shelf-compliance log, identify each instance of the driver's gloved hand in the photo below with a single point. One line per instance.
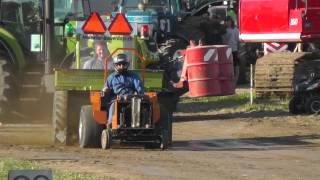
(105, 91)
(105, 98)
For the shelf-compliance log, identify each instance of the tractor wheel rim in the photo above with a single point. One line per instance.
(161, 145)
(80, 129)
(315, 106)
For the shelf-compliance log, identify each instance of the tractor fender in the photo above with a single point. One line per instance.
(142, 48)
(13, 48)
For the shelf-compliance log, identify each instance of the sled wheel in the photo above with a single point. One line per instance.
(313, 105)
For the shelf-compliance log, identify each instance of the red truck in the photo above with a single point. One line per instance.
(280, 25)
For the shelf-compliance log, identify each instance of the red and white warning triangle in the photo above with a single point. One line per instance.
(94, 24)
(120, 25)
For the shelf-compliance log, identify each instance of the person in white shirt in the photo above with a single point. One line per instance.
(231, 38)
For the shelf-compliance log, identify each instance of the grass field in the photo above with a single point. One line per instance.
(236, 103)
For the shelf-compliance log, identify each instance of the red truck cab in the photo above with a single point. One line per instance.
(279, 20)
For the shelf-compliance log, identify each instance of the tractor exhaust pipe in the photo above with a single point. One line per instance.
(48, 34)
(135, 110)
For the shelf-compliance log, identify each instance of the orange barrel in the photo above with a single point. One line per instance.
(226, 69)
(227, 86)
(202, 71)
(225, 61)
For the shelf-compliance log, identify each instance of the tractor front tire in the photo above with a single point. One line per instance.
(59, 121)
(89, 130)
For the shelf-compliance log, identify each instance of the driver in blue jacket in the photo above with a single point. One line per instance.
(122, 82)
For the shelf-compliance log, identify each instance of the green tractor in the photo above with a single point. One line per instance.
(43, 48)
(32, 44)
(41, 51)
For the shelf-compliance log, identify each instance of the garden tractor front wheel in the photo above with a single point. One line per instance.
(89, 130)
(106, 139)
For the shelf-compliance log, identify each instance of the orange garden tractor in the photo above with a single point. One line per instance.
(137, 118)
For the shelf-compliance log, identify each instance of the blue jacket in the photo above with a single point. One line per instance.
(124, 84)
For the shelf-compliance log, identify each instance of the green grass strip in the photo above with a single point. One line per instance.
(237, 102)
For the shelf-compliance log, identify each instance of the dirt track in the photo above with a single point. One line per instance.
(254, 145)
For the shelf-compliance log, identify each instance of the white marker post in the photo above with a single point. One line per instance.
(251, 84)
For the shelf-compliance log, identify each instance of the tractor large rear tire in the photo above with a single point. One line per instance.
(170, 47)
(172, 69)
(8, 86)
(60, 115)
(89, 131)
(166, 123)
